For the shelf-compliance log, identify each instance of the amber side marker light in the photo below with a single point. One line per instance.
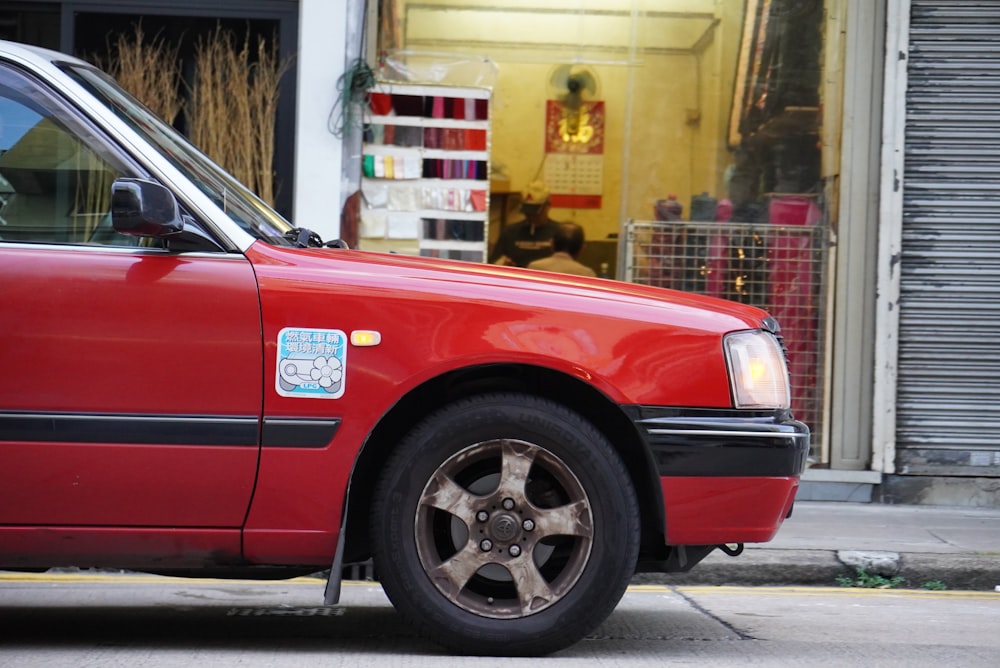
(365, 337)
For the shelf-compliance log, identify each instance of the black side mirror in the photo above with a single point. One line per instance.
(144, 209)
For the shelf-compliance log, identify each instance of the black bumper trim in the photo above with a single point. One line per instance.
(724, 443)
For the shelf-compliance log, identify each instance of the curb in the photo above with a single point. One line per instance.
(957, 571)
(822, 568)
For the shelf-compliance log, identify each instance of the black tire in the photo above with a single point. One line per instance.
(505, 525)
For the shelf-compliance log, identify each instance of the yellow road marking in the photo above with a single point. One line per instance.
(838, 591)
(145, 579)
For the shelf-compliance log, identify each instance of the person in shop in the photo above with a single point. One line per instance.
(530, 239)
(567, 243)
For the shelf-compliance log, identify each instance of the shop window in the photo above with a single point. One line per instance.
(716, 168)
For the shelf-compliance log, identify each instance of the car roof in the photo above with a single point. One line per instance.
(36, 53)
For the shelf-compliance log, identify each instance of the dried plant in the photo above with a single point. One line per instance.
(265, 79)
(149, 69)
(233, 104)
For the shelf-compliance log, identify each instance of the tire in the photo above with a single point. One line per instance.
(505, 525)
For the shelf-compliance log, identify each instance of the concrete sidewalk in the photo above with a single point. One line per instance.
(958, 546)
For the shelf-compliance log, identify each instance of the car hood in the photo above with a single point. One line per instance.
(499, 286)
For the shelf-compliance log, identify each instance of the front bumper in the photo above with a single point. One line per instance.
(727, 476)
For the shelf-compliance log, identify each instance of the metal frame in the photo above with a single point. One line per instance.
(852, 324)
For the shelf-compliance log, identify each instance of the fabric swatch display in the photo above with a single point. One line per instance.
(412, 167)
(408, 105)
(376, 194)
(475, 140)
(408, 136)
(437, 108)
(434, 228)
(403, 198)
(454, 139)
(402, 226)
(423, 189)
(478, 200)
(433, 137)
(374, 223)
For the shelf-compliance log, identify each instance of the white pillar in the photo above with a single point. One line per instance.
(320, 62)
(890, 237)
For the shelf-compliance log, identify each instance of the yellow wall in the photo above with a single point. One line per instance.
(672, 139)
(664, 156)
(519, 135)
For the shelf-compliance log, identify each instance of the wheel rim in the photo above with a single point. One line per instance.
(504, 529)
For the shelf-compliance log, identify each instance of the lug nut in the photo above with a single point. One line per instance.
(515, 551)
(508, 504)
(528, 525)
(486, 545)
(482, 516)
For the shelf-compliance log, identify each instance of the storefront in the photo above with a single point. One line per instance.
(697, 142)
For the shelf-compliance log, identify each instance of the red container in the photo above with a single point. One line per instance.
(793, 210)
(380, 103)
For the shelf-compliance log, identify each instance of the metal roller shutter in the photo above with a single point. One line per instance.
(948, 410)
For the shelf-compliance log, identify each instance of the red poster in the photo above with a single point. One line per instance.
(574, 148)
(570, 130)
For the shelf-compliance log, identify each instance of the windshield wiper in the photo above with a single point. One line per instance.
(303, 237)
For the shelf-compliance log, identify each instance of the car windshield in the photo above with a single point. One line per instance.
(241, 205)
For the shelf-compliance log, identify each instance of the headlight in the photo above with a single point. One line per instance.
(757, 370)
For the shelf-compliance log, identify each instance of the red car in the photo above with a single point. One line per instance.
(193, 386)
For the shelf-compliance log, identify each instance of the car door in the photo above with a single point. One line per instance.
(130, 391)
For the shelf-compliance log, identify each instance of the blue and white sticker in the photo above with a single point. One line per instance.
(311, 363)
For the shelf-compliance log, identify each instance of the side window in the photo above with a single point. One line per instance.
(55, 174)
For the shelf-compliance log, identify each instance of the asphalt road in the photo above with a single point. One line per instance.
(136, 620)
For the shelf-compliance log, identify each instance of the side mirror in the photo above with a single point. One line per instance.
(144, 209)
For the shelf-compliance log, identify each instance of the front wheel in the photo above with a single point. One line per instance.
(505, 525)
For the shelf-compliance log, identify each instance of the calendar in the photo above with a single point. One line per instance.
(574, 154)
(576, 181)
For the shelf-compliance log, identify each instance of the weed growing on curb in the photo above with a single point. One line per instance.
(862, 579)
(934, 585)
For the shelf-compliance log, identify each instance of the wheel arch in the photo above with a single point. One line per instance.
(571, 392)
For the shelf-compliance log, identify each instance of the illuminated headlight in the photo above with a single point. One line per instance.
(757, 370)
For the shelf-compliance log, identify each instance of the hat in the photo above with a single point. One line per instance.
(535, 194)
